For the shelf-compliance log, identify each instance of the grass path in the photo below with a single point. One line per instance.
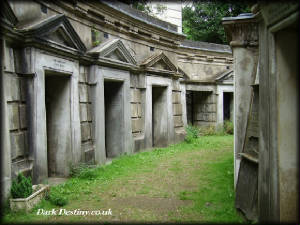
(182, 183)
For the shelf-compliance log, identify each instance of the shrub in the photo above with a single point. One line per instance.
(228, 127)
(192, 133)
(21, 187)
(56, 196)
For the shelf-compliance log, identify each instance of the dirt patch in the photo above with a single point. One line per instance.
(157, 205)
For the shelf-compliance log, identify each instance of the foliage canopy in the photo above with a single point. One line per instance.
(202, 20)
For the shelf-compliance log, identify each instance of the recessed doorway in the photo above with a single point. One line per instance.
(159, 117)
(57, 102)
(114, 118)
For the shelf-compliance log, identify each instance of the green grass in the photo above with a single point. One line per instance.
(213, 200)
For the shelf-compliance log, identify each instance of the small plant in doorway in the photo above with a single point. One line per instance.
(228, 127)
(192, 132)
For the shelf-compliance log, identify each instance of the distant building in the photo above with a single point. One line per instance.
(168, 11)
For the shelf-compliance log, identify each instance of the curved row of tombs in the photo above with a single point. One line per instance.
(87, 82)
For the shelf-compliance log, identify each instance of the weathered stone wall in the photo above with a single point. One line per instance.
(205, 61)
(17, 113)
(177, 106)
(204, 108)
(84, 26)
(178, 111)
(87, 143)
(136, 112)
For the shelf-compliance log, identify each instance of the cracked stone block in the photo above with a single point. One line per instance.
(85, 131)
(17, 142)
(133, 80)
(135, 95)
(177, 109)
(83, 112)
(23, 89)
(83, 93)
(178, 121)
(212, 117)
(89, 112)
(9, 64)
(82, 77)
(136, 125)
(139, 107)
(176, 97)
(211, 108)
(23, 117)
(12, 88)
(13, 113)
(82, 69)
(134, 110)
(176, 85)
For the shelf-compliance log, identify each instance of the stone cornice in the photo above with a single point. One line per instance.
(242, 30)
(110, 18)
(7, 14)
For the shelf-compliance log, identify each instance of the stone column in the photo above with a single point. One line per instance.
(242, 33)
(4, 133)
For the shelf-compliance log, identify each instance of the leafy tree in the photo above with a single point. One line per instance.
(202, 20)
(141, 5)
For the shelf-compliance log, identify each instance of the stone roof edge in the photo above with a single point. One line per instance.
(139, 19)
(205, 49)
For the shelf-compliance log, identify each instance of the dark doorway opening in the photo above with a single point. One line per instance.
(227, 106)
(114, 118)
(57, 102)
(198, 107)
(189, 107)
(159, 117)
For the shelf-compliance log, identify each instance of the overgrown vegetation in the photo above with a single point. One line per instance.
(193, 132)
(21, 187)
(83, 171)
(207, 162)
(56, 196)
(202, 20)
(228, 127)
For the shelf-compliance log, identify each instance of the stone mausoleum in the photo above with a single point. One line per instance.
(90, 81)
(265, 46)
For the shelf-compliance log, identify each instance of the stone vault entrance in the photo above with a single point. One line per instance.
(228, 106)
(200, 108)
(57, 102)
(114, 116)
(159, 117)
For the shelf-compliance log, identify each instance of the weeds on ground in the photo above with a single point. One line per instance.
(56, 196)
(192, 132)
(215, 194)
(228, 127)
(83, 171)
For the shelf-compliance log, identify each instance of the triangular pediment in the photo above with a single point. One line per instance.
(225, 77)
(117, 55)
(113, 50)
(159, 61)
(59, 36)
(7, 14)
(160, 64)
(183, 74)
(56, 29)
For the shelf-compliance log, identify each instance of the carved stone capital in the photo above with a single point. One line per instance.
(241, 30)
